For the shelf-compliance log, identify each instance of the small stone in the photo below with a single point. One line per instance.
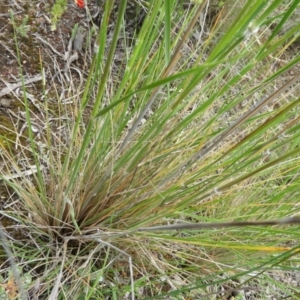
(4, 102)
(78, 40)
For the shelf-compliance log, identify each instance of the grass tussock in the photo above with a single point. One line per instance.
(195, 124)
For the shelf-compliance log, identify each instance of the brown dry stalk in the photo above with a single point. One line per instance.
(284, 221)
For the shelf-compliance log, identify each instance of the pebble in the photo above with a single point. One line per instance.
(4, 102)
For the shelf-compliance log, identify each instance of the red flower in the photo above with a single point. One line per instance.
(80, 3)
